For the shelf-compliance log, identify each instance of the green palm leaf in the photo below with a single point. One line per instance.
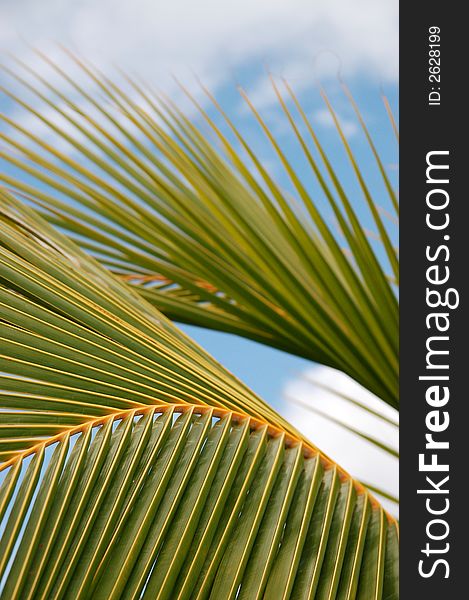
(135, 466)
(199, 226)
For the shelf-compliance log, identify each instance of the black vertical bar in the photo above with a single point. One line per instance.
(433, 118)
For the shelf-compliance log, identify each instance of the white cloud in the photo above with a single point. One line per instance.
(156, 38)
(357, 456)
(221, 43)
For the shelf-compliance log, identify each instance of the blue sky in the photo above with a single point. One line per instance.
(229, 44)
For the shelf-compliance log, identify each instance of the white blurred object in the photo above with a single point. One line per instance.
(359, 457)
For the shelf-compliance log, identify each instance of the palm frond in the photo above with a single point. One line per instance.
(179, 504)
(135, 466)
(199, 226)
